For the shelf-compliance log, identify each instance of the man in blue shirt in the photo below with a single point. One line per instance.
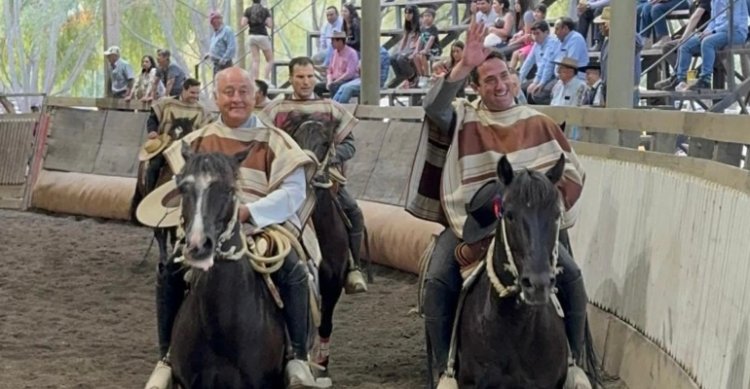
(545, 51)
(572, 43)
(715, 37)
(223, 43)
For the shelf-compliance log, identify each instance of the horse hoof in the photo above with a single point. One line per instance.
(355, 283)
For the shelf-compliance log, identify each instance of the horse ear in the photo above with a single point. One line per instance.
(562, 127)
(556, 172)
(186, 151)
(241, 156)
(505, 171)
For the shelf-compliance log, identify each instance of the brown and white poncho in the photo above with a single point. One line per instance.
(450, 167)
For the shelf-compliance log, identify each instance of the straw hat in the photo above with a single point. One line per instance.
(153, 147)
(112, 50)
(161, 207)
(605, 17)
(568, 63)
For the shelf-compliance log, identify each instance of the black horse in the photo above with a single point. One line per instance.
(229, 333)
(179, 128)
(510, 334)
(317, 136)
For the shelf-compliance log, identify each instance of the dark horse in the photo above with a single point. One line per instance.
(517, 340)
(179, 128)
(229, 333)
(317, 137)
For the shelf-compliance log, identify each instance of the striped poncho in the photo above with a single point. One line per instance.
(449, 168)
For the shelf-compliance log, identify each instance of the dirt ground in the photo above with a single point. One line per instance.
(77, 311)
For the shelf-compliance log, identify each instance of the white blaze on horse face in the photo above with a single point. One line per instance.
(197, 234)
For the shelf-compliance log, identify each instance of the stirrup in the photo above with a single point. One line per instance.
(576, 379)
(447, 382)
(298, 375)
(161, 377)
(355, 282)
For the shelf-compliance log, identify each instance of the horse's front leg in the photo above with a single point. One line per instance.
(160, 234)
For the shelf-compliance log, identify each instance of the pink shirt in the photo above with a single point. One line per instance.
(344, 63)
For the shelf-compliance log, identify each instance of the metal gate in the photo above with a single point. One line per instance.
(17, 135)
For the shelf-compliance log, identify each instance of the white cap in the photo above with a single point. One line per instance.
(112, 50)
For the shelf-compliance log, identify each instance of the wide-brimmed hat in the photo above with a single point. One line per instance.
(338, 35)
(153, 147)
(161, 207)
(481, 218)
(568, 63)
(591, 65)
(112, 50)
(605, 17)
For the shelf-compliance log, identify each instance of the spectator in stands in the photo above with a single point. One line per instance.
(351, 26)
(258, 19)
(516, 89)
(569, 89)
(655, 12)
(403, 67)
(261, 94)
(169, 73)
(594, 95)
(351, 89)
(715, 37)
(700, 15)
(443, 67)
(223, 43)
(427, 47)
(485, 14)
(120, 73)
(522, 42)
(587, 11)
(572, 43)
(640, 6)
(344, 66)
(544, 52)
(502, 30)
(144, 87)
(603, 22)
(334, 22)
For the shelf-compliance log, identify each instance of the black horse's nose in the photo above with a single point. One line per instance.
(203, 250)
(531, 281)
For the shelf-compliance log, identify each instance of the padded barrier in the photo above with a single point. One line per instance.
(84, 194)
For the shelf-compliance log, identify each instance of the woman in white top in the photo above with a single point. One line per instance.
(144, 85)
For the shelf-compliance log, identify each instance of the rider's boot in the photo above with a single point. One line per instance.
(574, 301)
(355, 281)
(295, 292)
(170, 290)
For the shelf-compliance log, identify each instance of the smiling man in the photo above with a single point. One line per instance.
(458, 155)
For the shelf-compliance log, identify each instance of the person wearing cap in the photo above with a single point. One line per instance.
(304, 99)
(543, 53)
(223, 43)
(603, 22)
(350, 89)
(461, 145)
(594, 94)
(344, 65)
(272, 192)
(171, 75)
(171, 118)
(121, 73)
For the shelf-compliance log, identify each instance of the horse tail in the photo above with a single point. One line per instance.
(591, 362)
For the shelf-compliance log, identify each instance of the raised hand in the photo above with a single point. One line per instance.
(475, 53)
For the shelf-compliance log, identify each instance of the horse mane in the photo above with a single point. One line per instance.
(296, 119)
(533, 188)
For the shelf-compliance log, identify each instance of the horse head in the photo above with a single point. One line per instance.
(207, 184)
(180, 126)
(312, 133)
(528, 228)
